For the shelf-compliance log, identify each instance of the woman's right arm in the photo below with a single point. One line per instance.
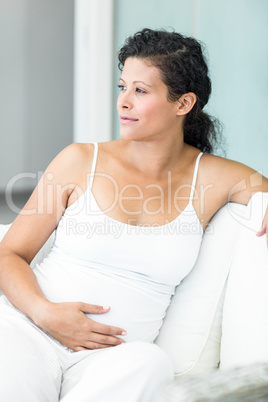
(67, 322)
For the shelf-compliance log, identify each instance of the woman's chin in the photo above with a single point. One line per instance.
(132, 135)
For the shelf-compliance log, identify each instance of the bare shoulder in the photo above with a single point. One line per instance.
(42, 212)
(70, 166)
(236, 181)
(218, 162)
(73, 157)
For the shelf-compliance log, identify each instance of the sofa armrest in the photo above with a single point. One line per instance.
(191, 332)
(245, 311)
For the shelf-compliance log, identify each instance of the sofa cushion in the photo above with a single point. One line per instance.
(191, 332)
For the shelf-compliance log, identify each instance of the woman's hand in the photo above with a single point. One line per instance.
(68, 323)
(264, 227)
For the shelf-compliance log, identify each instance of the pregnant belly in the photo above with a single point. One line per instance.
(135, 306)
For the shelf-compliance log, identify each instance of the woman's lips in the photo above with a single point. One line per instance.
(127, 120)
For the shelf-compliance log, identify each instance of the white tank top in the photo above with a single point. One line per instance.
(134, 269)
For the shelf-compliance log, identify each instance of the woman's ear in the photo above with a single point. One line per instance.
(186, 103)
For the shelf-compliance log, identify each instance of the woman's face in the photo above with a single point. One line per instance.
(143, 108)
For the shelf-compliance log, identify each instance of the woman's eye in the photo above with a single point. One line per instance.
(123, 88)
(140, 91)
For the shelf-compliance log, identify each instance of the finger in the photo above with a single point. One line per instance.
(261, 232)
(264, 230)
(78, 348)
(107, 329)
(264, 226)
(95, 345)
(91, 346)
(93, 308)
(107, 340)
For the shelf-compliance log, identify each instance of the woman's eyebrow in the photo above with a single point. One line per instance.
(136, 82)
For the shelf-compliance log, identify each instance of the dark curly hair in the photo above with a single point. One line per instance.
(183, 69)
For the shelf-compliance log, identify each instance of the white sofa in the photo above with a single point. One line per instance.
(218, 317)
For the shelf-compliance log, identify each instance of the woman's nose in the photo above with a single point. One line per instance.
(125, 100)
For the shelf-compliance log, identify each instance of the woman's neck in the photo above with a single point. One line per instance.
(155, 157)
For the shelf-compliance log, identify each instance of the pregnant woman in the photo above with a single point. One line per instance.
(129, 218)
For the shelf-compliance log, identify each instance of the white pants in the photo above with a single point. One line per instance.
(34, 367)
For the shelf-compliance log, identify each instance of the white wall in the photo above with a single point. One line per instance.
(235, 33)
(36, 81)
(14, 101)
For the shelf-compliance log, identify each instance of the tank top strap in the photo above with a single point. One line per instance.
(195, 176)
(93, 167)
